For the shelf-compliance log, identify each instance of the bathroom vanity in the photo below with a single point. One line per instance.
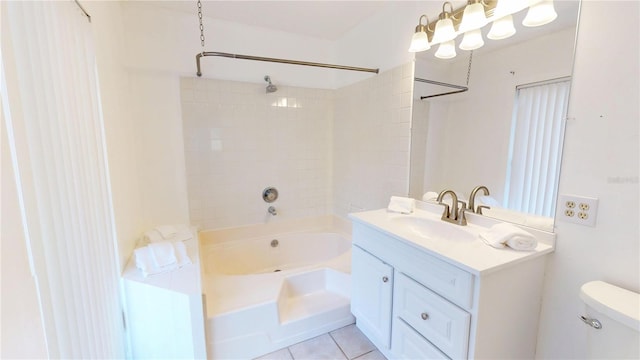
(425, 289)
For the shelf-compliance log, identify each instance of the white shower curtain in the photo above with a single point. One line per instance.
(58, 150)
(537, 132)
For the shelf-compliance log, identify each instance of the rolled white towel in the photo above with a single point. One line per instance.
(401, 205)
(504, 234)
(430, 196)
(163, 253)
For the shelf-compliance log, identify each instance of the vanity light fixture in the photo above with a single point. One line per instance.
(420, 40)
(473, 16)
(446, 50)
(445, 30)
(470, 20)
(540, 14)
(502, 28)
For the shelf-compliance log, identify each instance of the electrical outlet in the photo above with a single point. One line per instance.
(577, 209)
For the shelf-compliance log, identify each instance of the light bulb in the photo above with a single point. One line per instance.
(502, 28)
(444, 31)
(508, 7)
(446, 50)
(419, 42)
(473, 17)
(540, 14)
(472, 40)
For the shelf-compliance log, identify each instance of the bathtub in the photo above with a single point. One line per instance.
(270, 286)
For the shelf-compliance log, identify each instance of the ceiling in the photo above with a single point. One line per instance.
(331, 19)
(328, 20)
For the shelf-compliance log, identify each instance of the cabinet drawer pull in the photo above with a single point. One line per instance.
(424, 316)
(385, 279)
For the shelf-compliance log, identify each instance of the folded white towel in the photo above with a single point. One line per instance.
(183, 234)
(146, 263)
(163, 253)
(152, 236)
(181, 254)
(401, 205)
(504, 234)
(166, 231)
(430, 196)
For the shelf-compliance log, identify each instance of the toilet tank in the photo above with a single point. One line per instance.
(617, 310)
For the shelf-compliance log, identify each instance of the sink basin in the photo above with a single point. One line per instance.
(435, 229)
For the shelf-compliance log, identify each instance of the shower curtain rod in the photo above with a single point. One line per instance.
(282, 61)
(83, 10)
(459, 88)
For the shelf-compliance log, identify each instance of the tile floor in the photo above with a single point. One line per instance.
(346, 343)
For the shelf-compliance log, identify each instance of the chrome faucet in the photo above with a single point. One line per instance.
(272, 211)
(472, 199)
(454, 216)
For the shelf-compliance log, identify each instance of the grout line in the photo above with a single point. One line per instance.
(338, 345)
(369, 352)
(290, 353)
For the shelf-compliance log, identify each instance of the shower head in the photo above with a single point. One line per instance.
(270, 88)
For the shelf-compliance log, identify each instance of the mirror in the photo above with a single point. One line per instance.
(463, 140)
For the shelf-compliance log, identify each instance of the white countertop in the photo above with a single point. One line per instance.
(471, 254)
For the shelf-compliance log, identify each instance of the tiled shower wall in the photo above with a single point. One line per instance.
(240, 140)
(372, 136)
(326, 151)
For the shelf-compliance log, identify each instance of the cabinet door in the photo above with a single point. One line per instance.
(372, 289)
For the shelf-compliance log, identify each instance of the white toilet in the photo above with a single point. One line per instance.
(613, 316)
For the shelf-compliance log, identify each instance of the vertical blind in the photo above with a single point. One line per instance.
(537, 131)
(58, 147)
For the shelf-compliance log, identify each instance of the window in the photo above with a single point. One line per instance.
(537, 132)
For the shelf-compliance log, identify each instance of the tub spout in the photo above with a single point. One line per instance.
(272, 211)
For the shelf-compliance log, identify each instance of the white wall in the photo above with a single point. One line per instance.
(380, 42)
(240, 140)
(600, 159)
(120, 136)
(161, 45)
(371, 140)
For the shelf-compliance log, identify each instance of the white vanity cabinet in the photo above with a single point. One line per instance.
(372, 306)
(415, 304)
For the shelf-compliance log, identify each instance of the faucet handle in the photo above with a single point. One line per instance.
(464, 204)
(480, 207)
(462, 219)
(446, 214)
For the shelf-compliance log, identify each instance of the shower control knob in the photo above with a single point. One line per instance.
(385, 279)
(270, 194)
(424, 316)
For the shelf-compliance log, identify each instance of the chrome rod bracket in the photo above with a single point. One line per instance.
(594, 323)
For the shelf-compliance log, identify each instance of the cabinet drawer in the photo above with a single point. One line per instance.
(442, 323)
(408, 344)
(447, 280)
